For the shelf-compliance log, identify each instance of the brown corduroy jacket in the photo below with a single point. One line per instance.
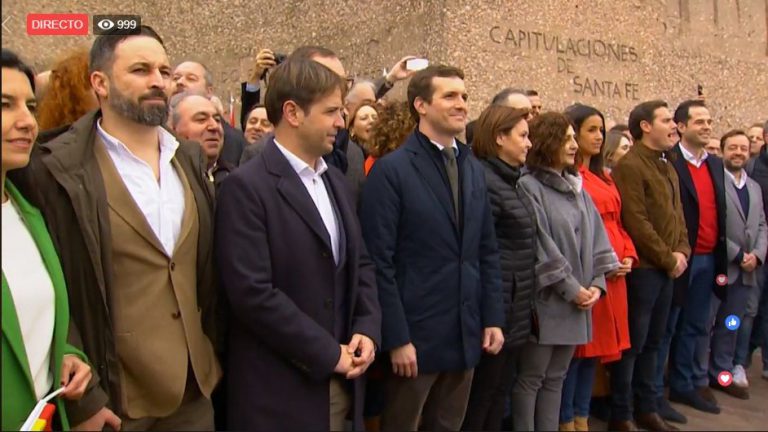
(651, 210)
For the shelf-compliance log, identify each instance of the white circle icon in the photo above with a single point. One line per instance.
(105, 24)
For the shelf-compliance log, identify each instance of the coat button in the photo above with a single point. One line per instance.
(328, 303)
(176, 315)
(173, 266)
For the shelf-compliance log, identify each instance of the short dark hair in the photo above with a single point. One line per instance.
(620, 127)
(421, 84)
(531, 93)
(645, 111)
(10, 60)
(302, 81)
(102, 55)
(730, 134)
(683, 111)
(547, 134)
(254, 108)
(494, 120)
(501, 97)
(578, 114)
(306, 52)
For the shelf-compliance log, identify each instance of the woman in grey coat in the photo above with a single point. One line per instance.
(573, 257)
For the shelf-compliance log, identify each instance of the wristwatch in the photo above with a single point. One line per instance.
(387, 84)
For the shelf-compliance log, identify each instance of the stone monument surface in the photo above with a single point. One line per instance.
(608, 53)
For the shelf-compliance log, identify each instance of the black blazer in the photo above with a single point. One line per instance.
(234, 143)
(278, 273)
(690, 203)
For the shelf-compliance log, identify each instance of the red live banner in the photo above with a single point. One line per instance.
(57, 24)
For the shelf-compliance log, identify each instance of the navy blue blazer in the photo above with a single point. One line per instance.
(278, 273)
(439, 281)
(690, 201)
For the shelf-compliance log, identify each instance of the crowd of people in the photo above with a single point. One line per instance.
(344, 261)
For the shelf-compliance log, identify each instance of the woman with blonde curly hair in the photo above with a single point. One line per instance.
(69, 95)
(389, 131)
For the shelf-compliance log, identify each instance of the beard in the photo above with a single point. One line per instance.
(733, 167)
(151, 115)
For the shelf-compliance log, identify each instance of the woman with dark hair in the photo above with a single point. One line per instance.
(389, 132)
(616, 146)
(69, 95)
(609, 316)
(36, 358)
(501, 143)
(572, 257)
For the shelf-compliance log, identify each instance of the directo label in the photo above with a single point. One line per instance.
(57, 24)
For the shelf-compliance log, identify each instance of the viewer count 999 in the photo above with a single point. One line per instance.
(116, 24)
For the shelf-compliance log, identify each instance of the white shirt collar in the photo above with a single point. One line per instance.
(691, 158)
(168, 143)
(299, 165)
(441, 147)
(743, 179)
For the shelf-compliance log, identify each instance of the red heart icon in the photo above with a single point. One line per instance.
(724, 378)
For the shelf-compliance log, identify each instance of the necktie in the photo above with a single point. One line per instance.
(453, 177)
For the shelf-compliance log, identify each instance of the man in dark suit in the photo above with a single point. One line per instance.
(702, 194)
(301, 288)
(427, 222)
(195, 77)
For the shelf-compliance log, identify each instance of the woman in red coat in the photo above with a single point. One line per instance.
(609, 316)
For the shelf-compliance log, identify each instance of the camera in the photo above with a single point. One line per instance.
(279, 58)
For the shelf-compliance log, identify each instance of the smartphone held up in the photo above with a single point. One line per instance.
(416, 64)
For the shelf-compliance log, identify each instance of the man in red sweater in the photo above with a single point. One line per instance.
(702, 194)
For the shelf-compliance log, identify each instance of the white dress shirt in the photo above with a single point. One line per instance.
(161, 202)
(33, 296)
(315, 186)
(441, 147)
(691, 158)
(742, 179)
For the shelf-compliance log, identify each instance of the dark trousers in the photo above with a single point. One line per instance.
(693, 328)
(493, 380)
(723, 347)
(439, 399)
(753, 332)
(649, 296)
(666, 351)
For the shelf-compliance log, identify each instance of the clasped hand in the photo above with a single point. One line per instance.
(356, 356)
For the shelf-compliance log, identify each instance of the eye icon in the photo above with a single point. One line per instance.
(105, 24)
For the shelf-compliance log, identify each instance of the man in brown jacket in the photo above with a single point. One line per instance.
(653, 217)
(131, 216)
